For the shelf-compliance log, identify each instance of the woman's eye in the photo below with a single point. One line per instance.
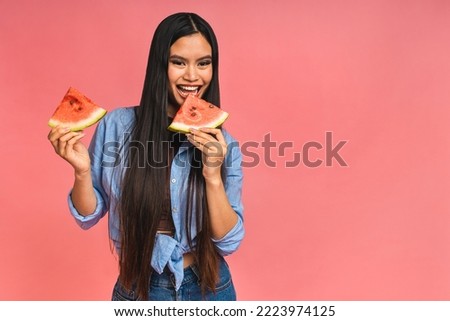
(205, 63)
(177, 62)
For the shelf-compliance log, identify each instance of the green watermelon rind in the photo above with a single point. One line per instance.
(95, 116)
(181, 127)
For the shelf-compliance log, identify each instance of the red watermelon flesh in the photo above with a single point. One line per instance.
(197, 113)
(76, 111)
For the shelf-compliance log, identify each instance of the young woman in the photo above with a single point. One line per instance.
(174, 200)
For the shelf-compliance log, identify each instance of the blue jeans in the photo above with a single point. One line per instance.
(162, 287)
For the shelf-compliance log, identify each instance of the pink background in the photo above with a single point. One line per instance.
(374, 73)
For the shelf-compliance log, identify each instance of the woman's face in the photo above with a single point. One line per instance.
(190, 69)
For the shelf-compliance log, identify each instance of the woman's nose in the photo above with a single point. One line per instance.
(191, 74)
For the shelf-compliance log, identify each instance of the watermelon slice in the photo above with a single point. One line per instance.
(76, 111)
(197, 113)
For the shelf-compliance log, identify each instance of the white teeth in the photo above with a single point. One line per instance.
(184, 91)
(189, 88)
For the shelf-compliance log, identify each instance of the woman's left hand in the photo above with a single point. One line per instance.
(213, 147)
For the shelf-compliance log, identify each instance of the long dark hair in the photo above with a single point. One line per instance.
(143, 191)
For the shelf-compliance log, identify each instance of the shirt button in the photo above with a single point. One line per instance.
(173, 180)
(174, 209)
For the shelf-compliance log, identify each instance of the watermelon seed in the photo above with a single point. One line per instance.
(193, 113)
(72, 101)
(211, 106)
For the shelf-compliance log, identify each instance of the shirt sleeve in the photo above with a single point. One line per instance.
(233, 188)
(95, 153)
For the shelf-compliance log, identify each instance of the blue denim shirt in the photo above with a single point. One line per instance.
(106, 175)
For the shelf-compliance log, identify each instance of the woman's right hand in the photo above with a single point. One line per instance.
(68, 145)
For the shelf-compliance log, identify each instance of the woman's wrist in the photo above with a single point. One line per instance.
(82, 174)
(214, 181)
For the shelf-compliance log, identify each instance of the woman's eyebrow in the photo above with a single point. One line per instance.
(205, 57)
(182, 58)
(177, 56)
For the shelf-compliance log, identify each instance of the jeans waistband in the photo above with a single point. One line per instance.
(167, 279)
